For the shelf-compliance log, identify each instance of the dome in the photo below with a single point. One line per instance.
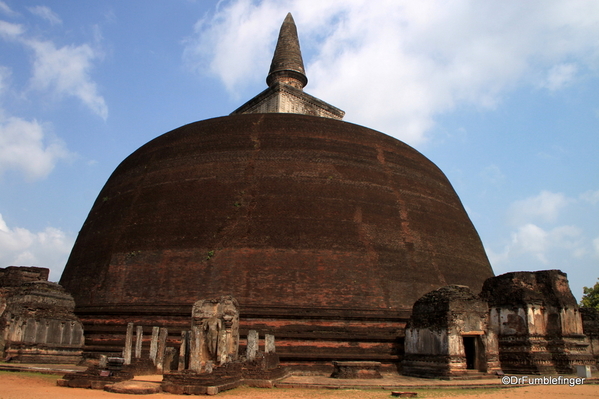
(296, 216)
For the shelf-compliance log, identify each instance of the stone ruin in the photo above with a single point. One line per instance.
(37, 319)
(207, 361)
(537, 322)
(590, 325)
(215, 332)
(448, 336)
(214, 361)
(521, 323)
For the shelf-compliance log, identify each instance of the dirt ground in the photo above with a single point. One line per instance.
(14, 385)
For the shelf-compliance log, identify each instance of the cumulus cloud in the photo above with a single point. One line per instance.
(530, 240)
(543, 207)
(66, 71)
(10, 31)
(24, 146)
(559, 76)
(46, 13)
(62, 71)
(48, 248)
(591, 197)
(538, 239)
(215, 46)
(397, 65)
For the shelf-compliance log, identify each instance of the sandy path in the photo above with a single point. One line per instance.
(21, 386)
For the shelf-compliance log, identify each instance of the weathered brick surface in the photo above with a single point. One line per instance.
(300, 218)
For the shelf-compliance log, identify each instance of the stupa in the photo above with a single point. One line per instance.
(325, 232)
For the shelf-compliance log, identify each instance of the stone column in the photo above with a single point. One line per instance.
(139, 334)
(269, 343)
(195, 349)
(161, 349)
(128, 343)
(253, 345)
(183, 350)
(154, 344)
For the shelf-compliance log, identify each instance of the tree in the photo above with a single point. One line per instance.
(590, 299)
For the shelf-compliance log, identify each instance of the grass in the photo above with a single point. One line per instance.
(31, 374)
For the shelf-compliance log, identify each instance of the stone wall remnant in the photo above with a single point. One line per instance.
(590, 326)
(448, 335)
(537, 321)
(37, 320)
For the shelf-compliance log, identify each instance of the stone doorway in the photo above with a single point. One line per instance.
(470, 346)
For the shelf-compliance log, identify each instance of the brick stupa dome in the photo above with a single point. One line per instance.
(325, 232)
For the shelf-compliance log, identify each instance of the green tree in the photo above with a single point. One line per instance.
(590, 299)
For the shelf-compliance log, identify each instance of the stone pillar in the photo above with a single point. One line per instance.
(253, 345)
(128, 344)
(161, 349)
(222, 352)
(154, 344)
(269, 343)
(195, 349)
(139, 334)
(103, 361)
(183, 350)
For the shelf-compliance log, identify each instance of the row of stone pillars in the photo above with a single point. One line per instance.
(189, 351)
(158, 347)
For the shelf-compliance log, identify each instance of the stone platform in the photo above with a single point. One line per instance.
(391, 382)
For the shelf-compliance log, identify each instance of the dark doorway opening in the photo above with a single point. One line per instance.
(470, 350)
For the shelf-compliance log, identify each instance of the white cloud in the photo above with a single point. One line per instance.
(24, 146)
(396, 65)
(4, 8)
(10, 30)
(590, 196)
(61, 70)
(538, 241)
(66, 71)
(238, 32)
(532, 240)
(48, 248)
(46, 13)
(559, 76)
(543, 207)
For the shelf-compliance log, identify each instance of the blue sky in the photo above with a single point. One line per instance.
(502, 96)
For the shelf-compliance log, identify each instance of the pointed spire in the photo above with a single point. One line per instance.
(287, 65)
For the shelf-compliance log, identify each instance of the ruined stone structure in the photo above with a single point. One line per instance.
(324, 231)
(214, 332)
(537, 322)
(590, 326)
(37, 320)
(448, 336)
